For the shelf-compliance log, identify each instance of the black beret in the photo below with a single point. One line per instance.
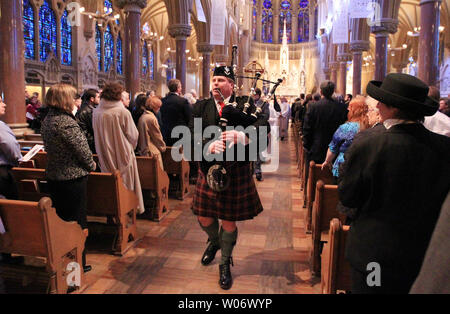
(224, 71)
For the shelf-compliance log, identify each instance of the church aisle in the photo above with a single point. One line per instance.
(271, 256)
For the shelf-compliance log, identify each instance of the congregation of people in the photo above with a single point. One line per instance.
(389, 154)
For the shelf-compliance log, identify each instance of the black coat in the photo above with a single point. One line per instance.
(397, 180)
(175, 111)
(321, 121)
(206, 110)
(84, 119)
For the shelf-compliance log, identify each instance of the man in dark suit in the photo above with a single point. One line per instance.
(397, 178)
(321, 121)
(175, 111)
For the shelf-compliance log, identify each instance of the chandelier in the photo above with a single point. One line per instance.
(149, 35)
(101, 17)
(416, 31)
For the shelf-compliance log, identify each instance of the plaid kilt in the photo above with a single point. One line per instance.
(239, 202)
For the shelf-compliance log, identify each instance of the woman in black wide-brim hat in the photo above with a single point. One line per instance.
(397, 179)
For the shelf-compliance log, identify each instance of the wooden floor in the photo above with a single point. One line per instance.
(271, 255)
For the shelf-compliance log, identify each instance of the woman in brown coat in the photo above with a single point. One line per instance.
(150, 141)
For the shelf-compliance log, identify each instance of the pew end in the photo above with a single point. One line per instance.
(335, 274)
(324, 210)
(154, 179)
(107, 197)
(179, 168)
(34, 229)
(315, 174)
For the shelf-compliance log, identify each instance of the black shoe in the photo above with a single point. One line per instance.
(87, 268)
(210, 254)
(225, 280)
(259, 177)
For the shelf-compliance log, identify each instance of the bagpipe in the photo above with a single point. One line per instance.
(233, 115)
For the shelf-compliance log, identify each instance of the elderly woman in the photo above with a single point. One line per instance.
(150, 141)
(343, 137)
(69, 159)
(116, 137)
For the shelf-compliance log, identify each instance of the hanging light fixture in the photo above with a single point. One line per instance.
(101, 17)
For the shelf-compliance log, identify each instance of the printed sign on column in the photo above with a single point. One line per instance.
(218, 22)
(360, 8)
(340, 25)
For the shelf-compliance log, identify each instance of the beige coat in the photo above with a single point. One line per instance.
(150, 142)
(116, 137)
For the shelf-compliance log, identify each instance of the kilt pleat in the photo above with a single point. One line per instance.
(239, 202)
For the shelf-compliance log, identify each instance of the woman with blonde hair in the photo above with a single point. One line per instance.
(150, 141)
(343, 137)
(69, 158)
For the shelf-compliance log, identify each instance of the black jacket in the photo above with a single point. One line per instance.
(206, 110)
(322, 119)
(397, 180)
(84, 119)
(175, 111)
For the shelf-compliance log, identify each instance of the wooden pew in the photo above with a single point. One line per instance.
(34, 229)
(336, 274)
(179, 168)
(29, 144)
(151, 176)
(39, 160)
(155, 179)
(315, 174)
(324, 210)
(107, 197)
(32, 137)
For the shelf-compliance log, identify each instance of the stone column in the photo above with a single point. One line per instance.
(327, 73)
(429, 41)
(12, 68)
(343, 57)
(312, 18)
(132, 30)
(206, 50)
(381, 42)
(359, 42)
(334, 67)
(294, 12)
(180, 32)
(276, 25)
(385, 25)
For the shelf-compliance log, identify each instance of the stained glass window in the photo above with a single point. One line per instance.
(267, 22)
(144, 59)
(47, 31)
(98, 46)
(285, 15)
(28, 29)
(66, 40)
(152, 65)
(108, 5)
(303, 21)
(109, 48)
(119, 58)
(285, 5)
